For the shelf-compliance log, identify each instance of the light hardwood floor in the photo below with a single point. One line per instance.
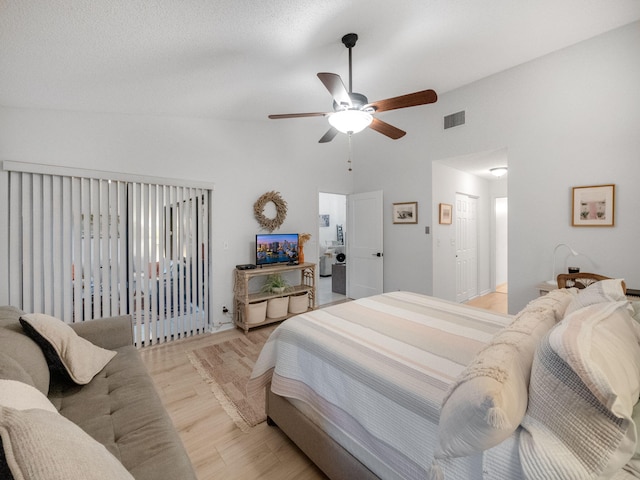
(217, 448)
(496, 301)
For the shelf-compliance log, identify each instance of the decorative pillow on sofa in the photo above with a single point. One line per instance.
(66, 352)
(585, 381)
(42, 444)
(609, 290)
(489, 398)
(22, 396)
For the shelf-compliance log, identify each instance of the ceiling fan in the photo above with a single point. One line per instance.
(352, 111)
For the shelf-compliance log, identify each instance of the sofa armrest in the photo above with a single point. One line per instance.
(109, 332)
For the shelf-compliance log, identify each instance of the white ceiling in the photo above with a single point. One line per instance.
(244, 59)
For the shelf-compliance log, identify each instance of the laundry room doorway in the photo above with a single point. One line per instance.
(332, 232)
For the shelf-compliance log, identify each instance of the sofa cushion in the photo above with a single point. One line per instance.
(585, 381)
(42, 444)
(66, 352)
(22, 396)
(121, 409)
(18, 348)
(489, 398)
(10, 369)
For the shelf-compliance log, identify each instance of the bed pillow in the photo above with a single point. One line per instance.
(633, 465)
(65, 351)
(635, 307)
(489, 398)
(585, 381)
(609, 290)
(42, 444)
(22, 396)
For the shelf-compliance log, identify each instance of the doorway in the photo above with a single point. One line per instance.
(471, 175)
(332, 231)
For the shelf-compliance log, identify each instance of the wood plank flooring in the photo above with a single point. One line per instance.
(496, 301)
(217, 448)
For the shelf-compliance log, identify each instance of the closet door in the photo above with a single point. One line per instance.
(466, 247)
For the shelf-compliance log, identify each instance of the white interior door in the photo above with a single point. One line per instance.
(466, 247)
(364, 244)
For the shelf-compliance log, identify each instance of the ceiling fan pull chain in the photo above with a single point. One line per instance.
(349, 161)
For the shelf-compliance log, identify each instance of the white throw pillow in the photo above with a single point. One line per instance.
(585, 381)
(39, 444)
(489, 398)
(635, 307)
(609, 290)
(64, 349)
(633, 465)
(22, 396)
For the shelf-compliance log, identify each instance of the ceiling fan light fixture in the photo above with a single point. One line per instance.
(350, 121)
(498, 171)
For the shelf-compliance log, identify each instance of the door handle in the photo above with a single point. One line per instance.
(377, 254)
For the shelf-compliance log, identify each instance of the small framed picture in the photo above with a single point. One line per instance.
(323, 220)
(406, 212)
(446, 214)
(593, 206)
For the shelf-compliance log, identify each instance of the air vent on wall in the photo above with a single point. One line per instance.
(454, 120)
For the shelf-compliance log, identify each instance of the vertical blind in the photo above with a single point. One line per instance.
(79, 248)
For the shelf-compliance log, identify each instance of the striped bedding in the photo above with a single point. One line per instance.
(373, 373)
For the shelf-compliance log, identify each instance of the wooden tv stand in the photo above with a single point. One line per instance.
(243, 297)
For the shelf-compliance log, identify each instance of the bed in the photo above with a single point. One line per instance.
(365, 387)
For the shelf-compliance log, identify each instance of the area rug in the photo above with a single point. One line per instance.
(226, 367)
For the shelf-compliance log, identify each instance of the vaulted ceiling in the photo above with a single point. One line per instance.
(245, 59)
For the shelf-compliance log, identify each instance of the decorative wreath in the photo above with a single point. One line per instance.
(270, 224)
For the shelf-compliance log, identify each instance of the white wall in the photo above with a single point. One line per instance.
(568, 119)
(243, 160)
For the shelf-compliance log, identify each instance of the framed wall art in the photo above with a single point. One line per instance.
(323, 220)
(405, 212)
(445, 216)
(593, 206)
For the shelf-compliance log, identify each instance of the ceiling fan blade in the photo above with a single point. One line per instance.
(386, 129)
(336, 88)
(403, 101)
(327, 137)
(298, 115)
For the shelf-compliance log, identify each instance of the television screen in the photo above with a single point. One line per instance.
(273, 248)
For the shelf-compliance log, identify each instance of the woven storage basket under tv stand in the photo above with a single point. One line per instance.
(242, 296)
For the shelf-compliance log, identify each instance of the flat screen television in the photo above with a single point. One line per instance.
(275, 248)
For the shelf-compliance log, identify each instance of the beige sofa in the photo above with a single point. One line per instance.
(119, 407)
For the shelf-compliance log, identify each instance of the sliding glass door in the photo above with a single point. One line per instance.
(80, 248)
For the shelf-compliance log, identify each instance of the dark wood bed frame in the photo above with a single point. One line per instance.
(329, 456)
